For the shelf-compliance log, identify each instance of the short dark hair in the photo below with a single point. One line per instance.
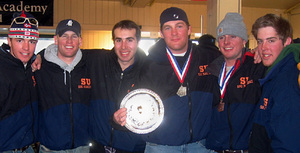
(127, 24)
(281, 26)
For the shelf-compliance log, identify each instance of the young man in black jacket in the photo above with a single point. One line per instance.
(115, 73)
(64, 87)
(18, 99)
(236, 76)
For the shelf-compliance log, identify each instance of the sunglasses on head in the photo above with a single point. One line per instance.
(21, 20)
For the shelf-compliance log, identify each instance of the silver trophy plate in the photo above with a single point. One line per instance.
(145, 111)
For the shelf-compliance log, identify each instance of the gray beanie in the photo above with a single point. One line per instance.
(232, 24)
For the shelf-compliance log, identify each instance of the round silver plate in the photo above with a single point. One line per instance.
(145, 110)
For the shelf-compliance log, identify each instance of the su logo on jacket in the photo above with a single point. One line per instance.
(264, 106)
(202, 71)
(85, 83)
(244, 81)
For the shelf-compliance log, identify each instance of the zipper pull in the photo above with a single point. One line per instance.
(121, 75)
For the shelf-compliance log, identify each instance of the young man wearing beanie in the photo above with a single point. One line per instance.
(18, 100)
(172, 71)
(276, 121)
(237, 77)
(64, 87)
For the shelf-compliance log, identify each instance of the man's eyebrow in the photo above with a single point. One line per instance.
(130, 38)
(269, 38)
(127, 38)
(182, 22)
(179, 23)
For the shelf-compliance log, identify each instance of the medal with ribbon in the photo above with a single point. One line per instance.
(181, 73)
(223, 79)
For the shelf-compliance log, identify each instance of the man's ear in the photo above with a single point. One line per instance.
(9, 41)
(55, 39)
(189, 30)
(161, 34)
(288, 41)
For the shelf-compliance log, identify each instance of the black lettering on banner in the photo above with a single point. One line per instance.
(41, 10)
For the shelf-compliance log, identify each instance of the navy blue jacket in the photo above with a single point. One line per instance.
(277, 122)
(187, 118)
(18, 102)
(230, 129)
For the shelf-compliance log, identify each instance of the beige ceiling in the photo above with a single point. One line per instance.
(277, 4)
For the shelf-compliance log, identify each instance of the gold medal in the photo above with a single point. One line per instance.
(181, 91)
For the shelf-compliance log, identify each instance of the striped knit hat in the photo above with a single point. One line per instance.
(25, 26)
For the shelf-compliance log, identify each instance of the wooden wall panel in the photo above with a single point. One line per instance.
(92, 13)
(117, 12)
(96, 39)
(98, 15)
(110, 13)
(79, 10)
(295, 18)
(67, 9)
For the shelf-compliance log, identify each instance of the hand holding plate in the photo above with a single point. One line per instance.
(120, 116)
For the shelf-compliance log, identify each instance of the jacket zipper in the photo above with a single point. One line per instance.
(116, 108)
(190, 112)
(228, 110)
(71, 110)
(230, 127)
(31, 105)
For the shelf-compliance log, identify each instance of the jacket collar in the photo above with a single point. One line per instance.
(51, 56)
(216, 66)
(158, 51)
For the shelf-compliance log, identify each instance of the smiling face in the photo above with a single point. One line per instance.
(231, 47)
(68, 45)
(270, 45)
(22, 49)
(125, 45)
(176, 35)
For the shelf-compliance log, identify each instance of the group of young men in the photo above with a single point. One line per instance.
(213, 102)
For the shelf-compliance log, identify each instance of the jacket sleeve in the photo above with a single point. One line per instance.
(259, 140)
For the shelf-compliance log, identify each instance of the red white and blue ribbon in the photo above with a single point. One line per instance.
(181, 73)
(223, 78)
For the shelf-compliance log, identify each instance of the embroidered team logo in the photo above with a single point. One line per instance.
(220, 30)
(202, 71)
(264, 106)
(175, 16)
(244, 81)
(85, 83)
(70, 23)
